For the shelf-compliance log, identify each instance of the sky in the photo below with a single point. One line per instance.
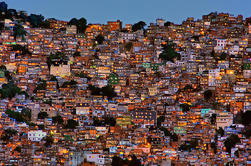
(130, 11)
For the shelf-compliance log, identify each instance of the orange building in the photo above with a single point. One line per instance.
(114, 25)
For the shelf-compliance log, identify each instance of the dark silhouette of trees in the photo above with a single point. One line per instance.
(185, 107)
(100, 39)
(79, 23)
(169, 53)
(18, 31)
(208, 94)
(133, 161)
(110, 121)
(138, 26)
(105, 91)
(71, 124)
(9, 90)
(128, 46)
(42, 115)
(57, 119)
(8, 134)
(230, 142)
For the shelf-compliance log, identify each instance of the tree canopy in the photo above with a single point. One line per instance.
(57, 119)
(42, 115)
(9, 90)
(169, 53)
(79, 23)
(71, 124)
(231, 141)
(138, 26)
(208, 94)
(105, 91)
(99, 39)
(18, 31)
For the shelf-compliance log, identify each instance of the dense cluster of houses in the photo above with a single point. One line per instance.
(93, 100)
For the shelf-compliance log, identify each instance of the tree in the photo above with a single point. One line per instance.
(71, 124)
(9, 90)
(48, 140)
(223, 56)
(138, 26)
(230, 142)
(26, 114)
(189, 145)
(42, 115)
(117, 161)
(76, 54)
(245, 118)
(167, 23)
(208, 94)
(40, 86)
(220, 132)
(24, 49)
(185, 107)
(110, 121)
(3, 7)
(128, 46)
(18, 31)
(71, 84)
(105, 91)
(81, 25)
(36, 20)
(73, 21)
(15, 115)
(3, 68)
(213, 119)
(8, 134)
(100, 39)
(57, 119)
(169, 53)
(160, 120)
(18, 149)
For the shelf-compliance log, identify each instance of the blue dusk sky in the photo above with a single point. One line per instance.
(130, 11)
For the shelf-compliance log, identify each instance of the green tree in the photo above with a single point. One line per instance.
(208, 94)
(18, 31)
(81, 25)
(128, 46)
(9, 90)
(40, 86)
(213, 119)
(18, 149)
(138, 26)
(76, 54)
(71, 124)
(36, 20)
(223, 56)
(42, 115)
(55, 59)
(160, 120)
(57, 119)
(100, 39)
(167, 23)
(48, 140)
(230, 142)
(26, 114)
(8, 134)
(185, 107)
(220, 132)
(169, 53)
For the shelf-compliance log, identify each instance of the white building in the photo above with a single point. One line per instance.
(224, 119)
(98, 159)
(212, 75)
(37, 135)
